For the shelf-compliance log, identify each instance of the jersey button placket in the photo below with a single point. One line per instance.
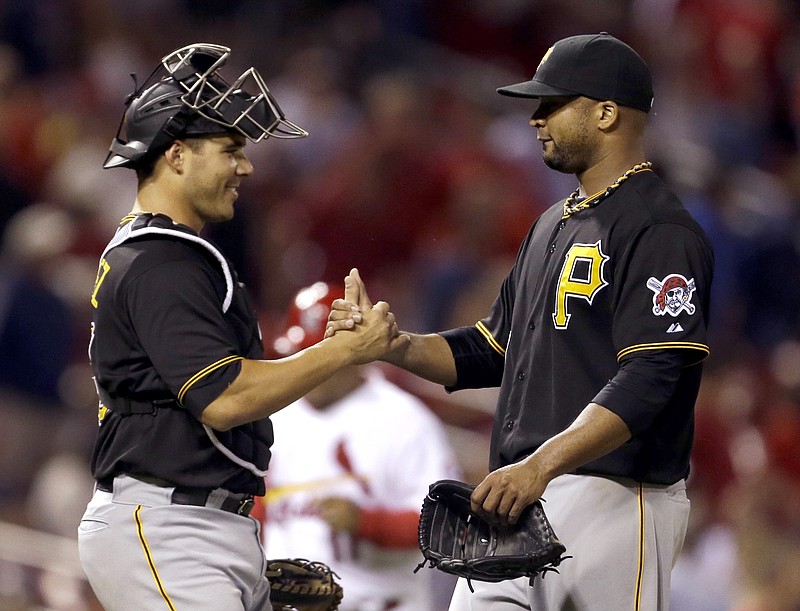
(559, 227)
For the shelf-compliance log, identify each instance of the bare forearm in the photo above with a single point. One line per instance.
(264, 387)
(594, 433)
(507, 491)
(427, 356)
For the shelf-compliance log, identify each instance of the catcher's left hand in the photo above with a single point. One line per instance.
(297, 584)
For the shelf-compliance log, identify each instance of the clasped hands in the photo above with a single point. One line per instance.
(355, 311)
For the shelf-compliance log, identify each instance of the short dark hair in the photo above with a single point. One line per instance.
(146, 165)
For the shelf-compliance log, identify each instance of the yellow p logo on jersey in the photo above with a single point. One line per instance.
(581, 276)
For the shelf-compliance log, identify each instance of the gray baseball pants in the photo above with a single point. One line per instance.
(140, 551)
(624, 538)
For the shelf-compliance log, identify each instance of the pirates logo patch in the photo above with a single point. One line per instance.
(672, 295)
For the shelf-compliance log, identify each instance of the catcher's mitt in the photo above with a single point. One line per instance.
(456, 541)
(297, 584)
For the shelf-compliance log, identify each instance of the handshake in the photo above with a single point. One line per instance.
(368, 332)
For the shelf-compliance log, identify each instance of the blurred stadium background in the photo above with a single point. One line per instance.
(419, 174)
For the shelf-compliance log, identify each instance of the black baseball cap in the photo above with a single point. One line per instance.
(596, 66)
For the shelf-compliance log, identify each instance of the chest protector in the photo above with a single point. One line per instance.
(150, 224)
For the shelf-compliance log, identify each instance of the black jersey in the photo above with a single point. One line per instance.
(171, 324)
(624, 282)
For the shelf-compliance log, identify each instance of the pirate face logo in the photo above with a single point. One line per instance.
(672, 295)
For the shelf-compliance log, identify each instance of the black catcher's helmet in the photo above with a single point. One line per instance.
(186, 96)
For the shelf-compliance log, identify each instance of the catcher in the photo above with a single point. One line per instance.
(185, 394)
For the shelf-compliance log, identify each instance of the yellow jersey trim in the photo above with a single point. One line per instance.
(490, 338)
(137, 516)
(204, 372)
(662, 345)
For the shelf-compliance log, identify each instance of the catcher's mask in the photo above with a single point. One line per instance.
(305, 320)
(187, 96)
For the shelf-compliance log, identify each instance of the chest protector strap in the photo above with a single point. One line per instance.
(149, 224)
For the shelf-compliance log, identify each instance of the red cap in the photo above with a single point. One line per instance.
(305, 320)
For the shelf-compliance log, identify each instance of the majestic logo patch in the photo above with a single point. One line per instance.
(672, 295)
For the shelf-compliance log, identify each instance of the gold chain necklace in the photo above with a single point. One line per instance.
(571, 206)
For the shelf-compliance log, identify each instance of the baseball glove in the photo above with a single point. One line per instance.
(455, 540)
(297, 584)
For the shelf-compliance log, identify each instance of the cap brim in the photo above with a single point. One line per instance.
(534, 89)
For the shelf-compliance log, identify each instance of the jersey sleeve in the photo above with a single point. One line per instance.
(177, 315)
(642, 387)
(663, 292)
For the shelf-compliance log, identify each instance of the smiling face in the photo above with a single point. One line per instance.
(213, 171)
(563, 128)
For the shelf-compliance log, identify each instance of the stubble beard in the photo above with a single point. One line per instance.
(565, 162)
(570, 154)
(216, 208)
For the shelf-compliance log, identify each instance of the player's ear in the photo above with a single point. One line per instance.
(175, 155)
(608, 114)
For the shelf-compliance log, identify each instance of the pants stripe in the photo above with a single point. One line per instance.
(150, 561)
(640, 572)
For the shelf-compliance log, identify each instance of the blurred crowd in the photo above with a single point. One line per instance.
(419, 174)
